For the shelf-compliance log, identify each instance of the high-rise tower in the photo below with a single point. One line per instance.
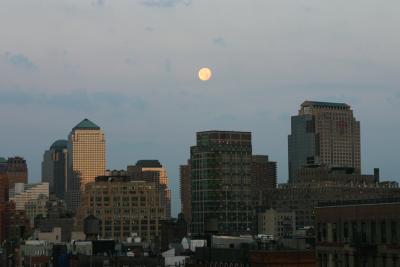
(221, 183)
(186, 191)
(86, 158)
(17, 171)
(326, 134)
(54, 168)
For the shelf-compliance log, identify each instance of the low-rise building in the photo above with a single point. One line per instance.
(21, 194)
(358, 233)
(35, 207)
(276, 224)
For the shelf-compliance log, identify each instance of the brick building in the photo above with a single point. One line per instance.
(358, 233)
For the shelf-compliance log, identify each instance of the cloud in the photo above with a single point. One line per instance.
(99, 3)
(74, 100)
(19, 61)
(168, 66)
(130, 61)
(394, 99)
(219, 41)
(166, 3)
(149, 29)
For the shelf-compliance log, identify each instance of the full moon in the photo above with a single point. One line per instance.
(205, 74)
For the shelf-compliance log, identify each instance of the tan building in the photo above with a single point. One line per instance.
(24, 193)
(86, 159)
(153, 172)
(277, 224)
(324, 133)
(36, 207)
(124, 207)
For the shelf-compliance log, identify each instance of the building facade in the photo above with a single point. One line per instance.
(186, 191)
(221, 183)
(35, 207)
(54, 168)
(152, 171)
(303, 198)
(17, 171)
(277, 224)
(358, 233)
(23, 193)
(124, 207)
(3, 197)
(324, 133)
(86, 159)
(264, 176)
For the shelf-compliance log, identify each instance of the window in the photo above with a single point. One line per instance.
(383, 232)
(373, 232)
(346, 231)
(363, 232)
(393, 231)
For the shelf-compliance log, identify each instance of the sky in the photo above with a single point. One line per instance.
(131, 67)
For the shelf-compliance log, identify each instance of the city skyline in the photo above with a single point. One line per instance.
(174, 181)
(131, 66)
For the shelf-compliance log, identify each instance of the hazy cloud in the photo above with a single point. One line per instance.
(219, 41)
(168, 65)
(74, 100)
(130, 61)
(150, 29)
(19, 61)
(166, 3)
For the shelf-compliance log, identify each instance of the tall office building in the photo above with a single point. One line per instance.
(186, 191)
(86, 159)
(324, 134)
(3, 197)
(264, 176)
(54, 168)
(152, 171)
(17, 171)
(222, 183)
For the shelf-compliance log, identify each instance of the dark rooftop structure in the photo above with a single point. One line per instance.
(325, 104)
(148, 163)
(59, 144)
(358, 202)
(86, 124)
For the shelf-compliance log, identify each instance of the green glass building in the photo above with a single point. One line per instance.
(221, 183)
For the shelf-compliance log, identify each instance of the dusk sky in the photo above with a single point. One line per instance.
(131, 67)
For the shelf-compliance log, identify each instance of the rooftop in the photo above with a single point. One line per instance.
(86, 124)
(324, 104)
(361, 202)
(59, 144)
(148, 163)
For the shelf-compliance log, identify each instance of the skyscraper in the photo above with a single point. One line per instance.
(186, 191)
(222, 183)
(54, 168)
(264, 175)
(324, 134)
(153, 172)
(86, 158)
(17, 171)
(3, 197)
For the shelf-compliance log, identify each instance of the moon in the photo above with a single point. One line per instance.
(205, 74)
